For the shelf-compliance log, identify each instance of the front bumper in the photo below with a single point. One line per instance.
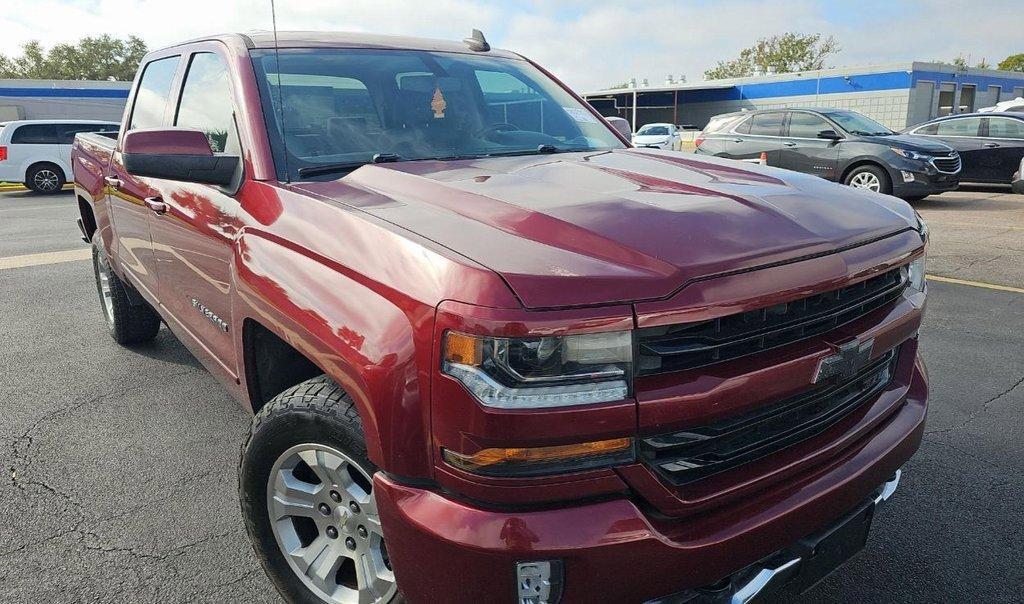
(617, 550)
(927, 182)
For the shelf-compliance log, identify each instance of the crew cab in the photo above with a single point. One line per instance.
(494, 353)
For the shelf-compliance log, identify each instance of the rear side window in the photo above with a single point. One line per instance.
(153, 92)
(35, 134)
(66, 132)
(720, 122)
(206, 103)
(744, 128)
(1004, 127)
(767, 124)
(806, 125)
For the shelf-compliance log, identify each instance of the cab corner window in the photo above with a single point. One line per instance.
(206, 103)
(153, 91)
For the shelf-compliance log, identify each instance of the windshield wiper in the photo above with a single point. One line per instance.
(378, 158)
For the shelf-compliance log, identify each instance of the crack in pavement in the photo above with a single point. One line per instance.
(984, 408)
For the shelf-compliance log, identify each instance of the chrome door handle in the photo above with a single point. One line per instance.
(789, 144)
(991, 145)
(113, 182)
(156, 204)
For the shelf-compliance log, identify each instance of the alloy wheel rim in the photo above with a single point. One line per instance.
(324, 518)
(866, 180)
(106, 294)
(46, 180)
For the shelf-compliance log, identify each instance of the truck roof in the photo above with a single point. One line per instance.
(339, 39)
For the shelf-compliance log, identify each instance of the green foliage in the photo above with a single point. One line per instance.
(1013, 62)
(100, 58)
(789, 52)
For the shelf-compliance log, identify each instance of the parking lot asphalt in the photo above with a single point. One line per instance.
(120, 463)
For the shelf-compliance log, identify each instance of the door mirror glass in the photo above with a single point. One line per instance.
(620, 125)
(176, 154)
(831, 135)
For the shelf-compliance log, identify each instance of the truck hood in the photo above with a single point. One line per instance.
(911, 142)
(580, 229)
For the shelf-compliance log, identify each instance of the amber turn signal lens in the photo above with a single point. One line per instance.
(615, 449)
(462, 349)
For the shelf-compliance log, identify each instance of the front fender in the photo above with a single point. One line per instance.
(374, 341)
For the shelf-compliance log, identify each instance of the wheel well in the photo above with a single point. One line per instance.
(46, 163)
(863, 162)
(88, 218)
(271, 364)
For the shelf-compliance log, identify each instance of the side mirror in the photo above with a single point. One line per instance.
(831, 135)
(621, 126)
(176, 154)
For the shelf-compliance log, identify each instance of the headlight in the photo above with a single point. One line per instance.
(915, 274)
(553, 371)
(922, 227)
(910, 154)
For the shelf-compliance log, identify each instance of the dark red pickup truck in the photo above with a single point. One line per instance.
(495, 354)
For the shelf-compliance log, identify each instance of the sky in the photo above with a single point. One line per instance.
(590, 44)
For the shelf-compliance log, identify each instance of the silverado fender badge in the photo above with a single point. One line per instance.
(851, 357)
(209, 314)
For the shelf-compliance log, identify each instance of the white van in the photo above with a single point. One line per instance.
(38, 152)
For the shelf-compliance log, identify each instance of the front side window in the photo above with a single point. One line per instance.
(35, 134)
(806, 125)
(1004, 127)
(153, 91)
(328, 110)
(206, 103)
(767, 124)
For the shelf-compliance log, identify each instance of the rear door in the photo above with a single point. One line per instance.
(963, 134)
(803, 151)
(134, 248)
(193, 239)
(761, 133)
(1002, 147)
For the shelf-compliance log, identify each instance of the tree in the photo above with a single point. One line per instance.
(789, 52)
(101, 58)
(1013, 63)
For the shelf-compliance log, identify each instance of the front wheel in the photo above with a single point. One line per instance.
(306, 489)
(872, 178)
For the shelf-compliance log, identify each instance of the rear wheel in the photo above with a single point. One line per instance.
(45, 178)
(869, 177)
(306, 488)
(128, 322)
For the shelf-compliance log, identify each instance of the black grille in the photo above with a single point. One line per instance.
(691, 345)
(950, 164)
(692, 454)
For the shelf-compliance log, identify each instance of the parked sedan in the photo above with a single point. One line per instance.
(991, 145)
(838, 145)
(657, 136)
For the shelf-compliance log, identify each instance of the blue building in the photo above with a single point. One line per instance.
(897, 95)
(62, 99)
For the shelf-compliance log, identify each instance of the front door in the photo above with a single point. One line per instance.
(1003, 146)
(193, 238)
(133, 246)
(803, 151)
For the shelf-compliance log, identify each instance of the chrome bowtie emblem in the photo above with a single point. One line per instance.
(851, 357)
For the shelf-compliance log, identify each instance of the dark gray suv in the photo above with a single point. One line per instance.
(836, 144)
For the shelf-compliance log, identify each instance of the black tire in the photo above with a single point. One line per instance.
(316, 411)
(45, 178)
(129, 322)
(885, 184)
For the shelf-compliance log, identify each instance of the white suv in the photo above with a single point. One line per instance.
(38, 152)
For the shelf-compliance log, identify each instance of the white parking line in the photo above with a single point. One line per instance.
(45, 258)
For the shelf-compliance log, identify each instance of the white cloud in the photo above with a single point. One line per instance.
(590, 44)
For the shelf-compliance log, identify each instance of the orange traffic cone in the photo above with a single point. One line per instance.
(764, 158)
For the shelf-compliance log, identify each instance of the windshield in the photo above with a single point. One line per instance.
(855, 123)
(653, 131)
(336, 109)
